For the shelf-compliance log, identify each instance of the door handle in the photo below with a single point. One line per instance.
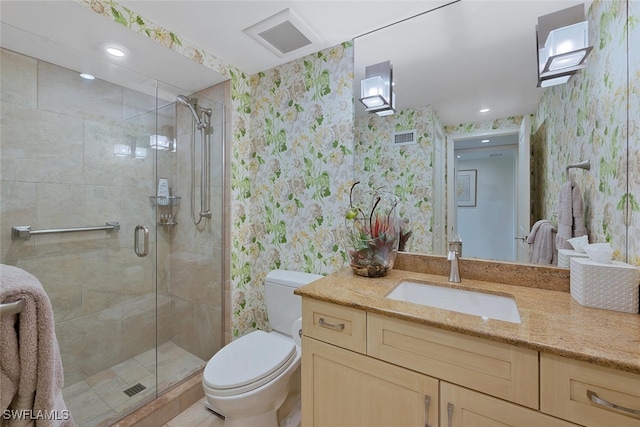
(145, 241)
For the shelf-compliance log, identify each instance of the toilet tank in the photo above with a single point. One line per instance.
(283, 307)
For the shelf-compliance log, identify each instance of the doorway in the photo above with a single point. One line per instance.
(487, 170)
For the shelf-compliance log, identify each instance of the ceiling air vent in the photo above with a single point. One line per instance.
(283, 33)
(404, 137)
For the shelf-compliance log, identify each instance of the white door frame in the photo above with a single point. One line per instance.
(452, 210)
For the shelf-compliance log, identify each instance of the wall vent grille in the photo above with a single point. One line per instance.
(405, 137)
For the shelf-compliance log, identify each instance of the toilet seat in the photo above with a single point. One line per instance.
(248, 363)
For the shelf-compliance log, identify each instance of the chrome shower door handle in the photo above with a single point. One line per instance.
(145, 241)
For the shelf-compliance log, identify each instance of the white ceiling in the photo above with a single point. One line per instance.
(478, 35)
(69, 34)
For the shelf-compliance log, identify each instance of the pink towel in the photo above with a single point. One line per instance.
(570, 215)
(541, 243)
(30, 365)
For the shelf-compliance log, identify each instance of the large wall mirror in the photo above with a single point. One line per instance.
(451, 62)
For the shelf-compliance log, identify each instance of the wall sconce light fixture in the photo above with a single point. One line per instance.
(376, 89)
(563, 45)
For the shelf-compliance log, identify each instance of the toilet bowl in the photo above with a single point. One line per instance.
(248, 380)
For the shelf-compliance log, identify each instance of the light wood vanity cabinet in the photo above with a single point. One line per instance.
(498, 369)
(347, 389)
(461, 407)
(365, 369)
(345, 327)
(590, 395)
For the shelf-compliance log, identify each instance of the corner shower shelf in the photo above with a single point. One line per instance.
(166, 219)
(165, 201)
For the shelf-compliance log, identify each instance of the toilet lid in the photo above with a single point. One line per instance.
(248, 362)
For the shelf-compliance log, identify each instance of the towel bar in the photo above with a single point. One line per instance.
(12, 307)
(24, 232)
(585, 164)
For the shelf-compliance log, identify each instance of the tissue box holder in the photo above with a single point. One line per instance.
(565, 255)
(609, 286)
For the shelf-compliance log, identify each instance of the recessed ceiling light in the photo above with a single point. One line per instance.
(115, 51)
(484, 110)
(484, 141)
(87, 76)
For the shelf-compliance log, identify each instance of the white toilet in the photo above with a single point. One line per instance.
(248, 379)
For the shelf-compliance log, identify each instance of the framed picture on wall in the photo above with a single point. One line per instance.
(466, 185)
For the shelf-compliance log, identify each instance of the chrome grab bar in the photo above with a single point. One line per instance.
(12, 307)
(24, 232)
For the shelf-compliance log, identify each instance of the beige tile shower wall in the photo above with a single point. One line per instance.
(58, 170)
(197, 253)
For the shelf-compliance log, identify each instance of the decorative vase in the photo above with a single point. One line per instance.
(367, 258)
(371, 239)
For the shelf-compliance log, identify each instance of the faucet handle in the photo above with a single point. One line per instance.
(456, 246)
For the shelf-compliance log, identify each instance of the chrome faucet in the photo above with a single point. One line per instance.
(455, 249)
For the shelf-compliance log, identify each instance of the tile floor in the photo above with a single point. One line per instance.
(197, 415)
(100, 398)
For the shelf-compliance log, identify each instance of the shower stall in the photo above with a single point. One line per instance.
(138, 300)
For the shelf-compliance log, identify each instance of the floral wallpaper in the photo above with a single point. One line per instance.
(406, 170)
(291, 172)
(487, 125)
(589, 122)
(128, 18)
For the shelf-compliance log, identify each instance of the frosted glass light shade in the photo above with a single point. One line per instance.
(565, 48)
(122, 150)
(374, 92)
(159, 142)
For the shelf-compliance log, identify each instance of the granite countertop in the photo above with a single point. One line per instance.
(552, 322)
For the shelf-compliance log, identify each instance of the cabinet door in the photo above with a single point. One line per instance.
(461, 407)
(341, 388)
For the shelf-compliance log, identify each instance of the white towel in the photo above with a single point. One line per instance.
(30, 363)
(570, 215)
(541, 243)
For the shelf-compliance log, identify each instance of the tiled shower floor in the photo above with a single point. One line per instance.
(101, 397)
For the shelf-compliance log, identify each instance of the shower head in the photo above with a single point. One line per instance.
(185, 101)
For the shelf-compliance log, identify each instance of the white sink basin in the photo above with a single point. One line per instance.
(477, 303)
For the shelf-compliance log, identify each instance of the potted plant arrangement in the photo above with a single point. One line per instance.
(373, 232)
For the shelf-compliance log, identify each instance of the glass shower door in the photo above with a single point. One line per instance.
(75, 153)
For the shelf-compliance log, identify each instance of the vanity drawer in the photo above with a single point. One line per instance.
(501, 370)
(335, 324)
(565, 386)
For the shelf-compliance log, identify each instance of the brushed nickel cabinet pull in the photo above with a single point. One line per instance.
(599, 401)
(450, 414)
(338, 327)
(427, 402)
